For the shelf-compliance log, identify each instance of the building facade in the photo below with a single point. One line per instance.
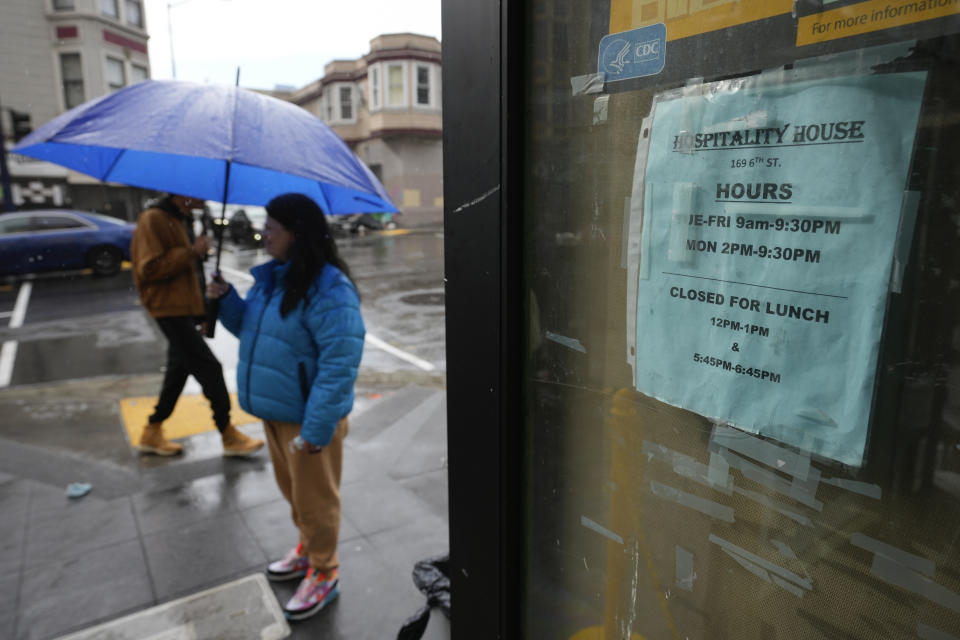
(55, 55)
(386, 106)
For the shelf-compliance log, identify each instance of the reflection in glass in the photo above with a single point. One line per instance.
(645, 519)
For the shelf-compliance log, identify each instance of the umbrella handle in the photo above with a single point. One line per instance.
(213, 310)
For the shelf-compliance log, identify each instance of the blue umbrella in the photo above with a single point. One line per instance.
(209, 141)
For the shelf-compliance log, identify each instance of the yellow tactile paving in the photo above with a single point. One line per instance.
(395, 232)
(191, 416)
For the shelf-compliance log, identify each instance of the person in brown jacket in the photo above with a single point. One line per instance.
(168, 272)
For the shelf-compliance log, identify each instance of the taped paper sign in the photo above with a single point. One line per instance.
(770, 219)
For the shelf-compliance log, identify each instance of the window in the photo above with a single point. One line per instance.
(63, 5)
(138, 73)
(395, 89)
(116, 74)
(18, 224)
(423, 85)
(346, 103)
(374, 88)
(135, 12)
(56, 223)
(109, 8)
(71, 74)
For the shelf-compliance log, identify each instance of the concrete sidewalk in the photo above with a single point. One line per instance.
(155, 530)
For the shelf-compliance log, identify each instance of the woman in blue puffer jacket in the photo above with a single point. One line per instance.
(301, 339)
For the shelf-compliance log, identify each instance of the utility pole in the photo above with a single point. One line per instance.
(173, 61)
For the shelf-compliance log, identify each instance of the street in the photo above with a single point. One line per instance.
(79, 326)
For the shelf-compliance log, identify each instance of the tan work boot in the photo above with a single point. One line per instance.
(152, 441)
(237, 443)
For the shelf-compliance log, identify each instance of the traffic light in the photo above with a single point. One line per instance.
(21, 124)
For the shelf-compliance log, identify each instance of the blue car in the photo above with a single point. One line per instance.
(59, 240)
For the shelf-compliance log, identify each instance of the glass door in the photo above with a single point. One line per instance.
(741, 387)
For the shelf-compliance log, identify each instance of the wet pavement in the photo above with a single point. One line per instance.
(80, 326)
(154, 531)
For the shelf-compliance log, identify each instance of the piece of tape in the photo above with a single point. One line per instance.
(601, 109)
(856, 62)
(901, 249)
(787, 586)
(863, 488)
(773, 77)
(587, 84)
(800, 493)
(900, 576)
(570, 343)
(768, 502)
(784, 549)
(716, 476)
(783, 460)
(707, 507)
(599, 528)
(904, 558)
(685, 574)
(786, 574)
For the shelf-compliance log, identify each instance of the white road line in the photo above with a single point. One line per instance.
(372, 339)
(20, 306)
(6, 314)
(403, 355)
(8, 353)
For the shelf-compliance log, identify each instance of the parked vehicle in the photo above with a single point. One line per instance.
(59, 239)
(242, 230)
(244, 223)
(361, 223)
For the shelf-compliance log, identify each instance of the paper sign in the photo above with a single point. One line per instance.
(771, 215)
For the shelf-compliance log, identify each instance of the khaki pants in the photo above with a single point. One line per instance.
(311, 484)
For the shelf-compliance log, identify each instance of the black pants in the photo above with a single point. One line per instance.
(189, 355)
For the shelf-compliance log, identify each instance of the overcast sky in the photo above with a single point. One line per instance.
(274, 42)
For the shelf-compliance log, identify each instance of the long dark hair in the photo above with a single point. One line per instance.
(313, 245)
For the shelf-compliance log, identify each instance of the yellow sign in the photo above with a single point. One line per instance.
(866, 17)
(685, 18)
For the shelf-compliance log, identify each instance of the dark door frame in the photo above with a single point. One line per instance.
(482, 167)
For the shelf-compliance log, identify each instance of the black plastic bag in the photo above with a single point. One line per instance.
(432, 577)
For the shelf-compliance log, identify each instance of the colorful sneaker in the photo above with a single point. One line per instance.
(293, 565)
(315, 592)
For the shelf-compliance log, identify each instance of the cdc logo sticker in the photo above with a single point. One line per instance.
(649, 50)
(633, 54)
